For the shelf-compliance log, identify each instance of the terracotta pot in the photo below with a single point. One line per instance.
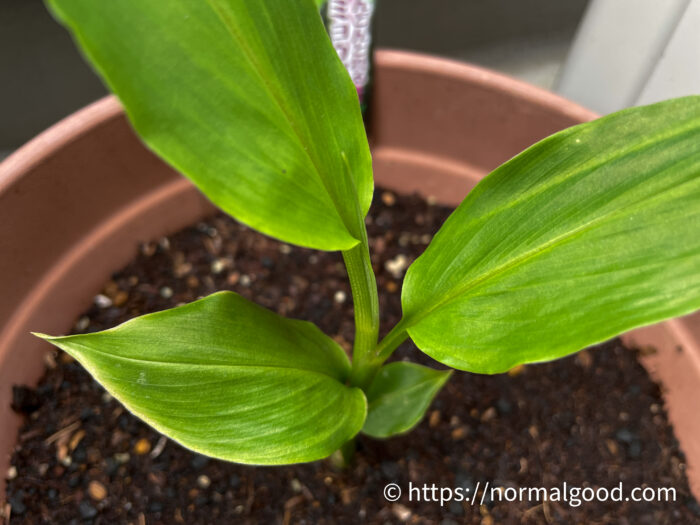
(76, 201)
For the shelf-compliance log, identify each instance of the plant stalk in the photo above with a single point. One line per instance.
(390, 342)
(367, 354)
(366, 306)
(342, 458)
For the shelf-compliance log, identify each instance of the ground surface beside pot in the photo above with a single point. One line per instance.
(592, 419)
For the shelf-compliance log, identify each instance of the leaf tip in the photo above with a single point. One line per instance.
(54, 340)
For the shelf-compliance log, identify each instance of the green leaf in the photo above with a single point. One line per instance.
(399, 396)
(248, 99)
(585, 235)
(228, 379)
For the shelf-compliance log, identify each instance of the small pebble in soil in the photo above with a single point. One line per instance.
(142, 446)
(199, 461)
(87, 510)
(160, 446)
(203, 481)
(82, 324)
(459, 433)
(504, 406)
(97, 490)
(397, 265)
(388, 198)
(488, 414)
(218, 266)
(102, 301)
(120, 298)
(401, 511)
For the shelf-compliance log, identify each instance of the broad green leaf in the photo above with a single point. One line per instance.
(247, 98)
(585, 235)
(229, 379)
(399, 396)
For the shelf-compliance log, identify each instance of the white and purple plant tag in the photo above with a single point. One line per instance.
(349, 24)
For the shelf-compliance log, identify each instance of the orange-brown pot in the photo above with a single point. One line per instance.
(76, 201)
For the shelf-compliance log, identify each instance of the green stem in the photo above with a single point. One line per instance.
(348, 451)
(342, 458)
(390, 342)
(367, 354)
(366, 305)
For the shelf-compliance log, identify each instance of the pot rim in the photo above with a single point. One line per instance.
(55, 137)
(424, 63)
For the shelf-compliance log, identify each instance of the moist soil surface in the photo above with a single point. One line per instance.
(594, 419)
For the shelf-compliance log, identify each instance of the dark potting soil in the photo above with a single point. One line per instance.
(591, 420)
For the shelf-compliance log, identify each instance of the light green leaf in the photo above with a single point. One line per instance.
(399, 396)
(229, 379)
(248, 99)
(587, 234)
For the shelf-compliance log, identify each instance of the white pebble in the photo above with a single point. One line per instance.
(218, 266)
(339, 297)
(397, 265)
(82, 324)
(203, 481)
(102, 301)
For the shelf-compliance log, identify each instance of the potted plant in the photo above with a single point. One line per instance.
(306, 178)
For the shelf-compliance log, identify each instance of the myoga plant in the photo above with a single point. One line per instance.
(587, 234)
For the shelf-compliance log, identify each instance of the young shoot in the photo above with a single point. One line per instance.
(585, 235)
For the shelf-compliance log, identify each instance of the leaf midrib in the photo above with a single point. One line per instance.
(278, 99)
(88, 349)
(533, 253)
(583, 169)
